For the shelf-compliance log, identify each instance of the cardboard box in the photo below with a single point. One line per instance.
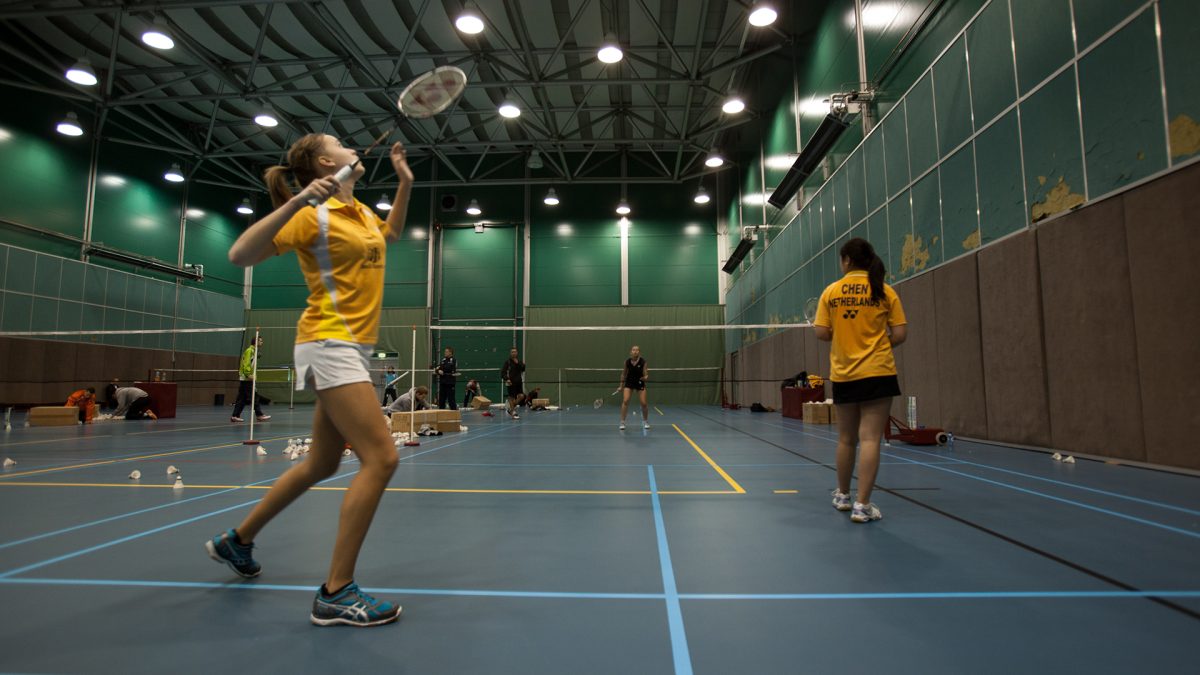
(449, 416)
(400, 420)
(540, 402)
(449, 427)
(819, 413)
(481, 403)
(53, 416)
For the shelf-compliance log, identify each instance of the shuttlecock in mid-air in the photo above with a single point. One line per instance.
(172, 470)
(260, 451)
(347, 452)
(9, 461)
(135, 475)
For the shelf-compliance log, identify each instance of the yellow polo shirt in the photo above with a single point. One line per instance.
(860, 347)
(342, 250)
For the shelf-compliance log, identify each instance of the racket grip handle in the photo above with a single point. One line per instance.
(341, 175)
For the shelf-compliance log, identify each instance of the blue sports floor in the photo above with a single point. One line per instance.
(556, 544)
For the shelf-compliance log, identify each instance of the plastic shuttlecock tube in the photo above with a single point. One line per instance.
(172, 470)
(1069, 459)
(8, 461)
(135, 475)
(1056, 457)
(260, 451)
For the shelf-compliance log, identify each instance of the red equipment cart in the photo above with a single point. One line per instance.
(898, 431)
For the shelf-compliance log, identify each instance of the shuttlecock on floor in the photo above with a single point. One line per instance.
(178, 482)
(1069, 459)
(308, 441)
(1056, 457)
(260, 451)
(461, 428)
(306, 449)
(172, 470)
(293, 455)
(135, 475)
(8, 461)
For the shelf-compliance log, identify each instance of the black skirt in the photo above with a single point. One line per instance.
(866, 389)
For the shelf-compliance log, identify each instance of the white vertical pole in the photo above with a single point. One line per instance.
(291, 388)
(412, 379)
(253, 389)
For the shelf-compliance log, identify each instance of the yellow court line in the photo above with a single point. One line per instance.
(124, 459)
(657, 410)
(728, 479)
(787, 492)
(326, 488)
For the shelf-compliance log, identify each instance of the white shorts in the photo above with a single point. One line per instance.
(325, 364)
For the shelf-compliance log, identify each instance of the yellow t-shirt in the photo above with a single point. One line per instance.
(342, 250)
(860, 348)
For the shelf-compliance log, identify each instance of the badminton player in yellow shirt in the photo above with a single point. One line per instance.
(861, 316)
(341, 246)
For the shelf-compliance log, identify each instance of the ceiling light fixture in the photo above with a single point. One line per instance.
(509, 110)
(714, 160)
(70, 126)
(733, 105)
(473, 208)
(156, 36)
(383, 204)
(610, 51)
(244, 208)
(623, 208)
(551, 198)
(469, 22)
(762, 14)
(266, 119)
(174, 174)
(702, 196)
(82, 73)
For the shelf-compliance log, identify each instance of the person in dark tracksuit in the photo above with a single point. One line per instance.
(513, 374)
(447, 373)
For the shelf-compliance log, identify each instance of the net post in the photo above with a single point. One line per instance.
(561, 403)
(412, 402)
(291, 387)
(253, 389)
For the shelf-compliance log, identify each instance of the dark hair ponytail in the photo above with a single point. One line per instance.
(862, 256)
(302, 167)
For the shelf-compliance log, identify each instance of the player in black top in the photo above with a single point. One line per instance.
(513, 372)
(633, 378)
(447, 373)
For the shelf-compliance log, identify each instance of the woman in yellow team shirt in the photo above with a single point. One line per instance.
(863, 319)
(341, 246)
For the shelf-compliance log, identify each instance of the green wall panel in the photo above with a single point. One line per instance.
(960, 216)
(1181, 59)
(576, 263)
(44, 180)
(1001, 193)
(921, 127)
(1094, 18)
(989, 48)
(1125, 142)
(672, 264)
(900, 234)
(1050, 141)
(952, 98)
(19, 272)
(876, 171)
(856, 187)
(1042, 31)
(895, 141)
(926, 246)
(479, 273)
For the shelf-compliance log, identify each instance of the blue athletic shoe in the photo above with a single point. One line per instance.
(352, 607)
(225, 548)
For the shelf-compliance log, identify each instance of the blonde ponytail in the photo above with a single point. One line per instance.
(302, 165)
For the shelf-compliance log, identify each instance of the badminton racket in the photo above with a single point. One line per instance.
(600, 401)
(810, 310)
(427, 95)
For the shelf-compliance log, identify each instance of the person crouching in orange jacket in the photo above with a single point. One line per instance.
(85, 399)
